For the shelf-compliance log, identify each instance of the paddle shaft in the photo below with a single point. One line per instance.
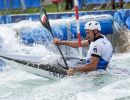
(47, 26)
(60, 51)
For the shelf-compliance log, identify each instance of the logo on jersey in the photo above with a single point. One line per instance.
(104, 42)
(95, 49)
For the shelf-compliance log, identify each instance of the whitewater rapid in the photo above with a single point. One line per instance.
(17, 84)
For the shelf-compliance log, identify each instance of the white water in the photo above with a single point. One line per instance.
(16, 84)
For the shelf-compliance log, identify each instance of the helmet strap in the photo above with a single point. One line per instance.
(94, 35)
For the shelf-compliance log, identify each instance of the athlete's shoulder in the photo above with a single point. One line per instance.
(98, 42)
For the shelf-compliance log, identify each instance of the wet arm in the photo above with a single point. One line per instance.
(88, 67)
(74, 44)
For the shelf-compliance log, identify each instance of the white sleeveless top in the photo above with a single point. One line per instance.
(101, 48)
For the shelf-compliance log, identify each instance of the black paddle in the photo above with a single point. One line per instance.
(45, 22)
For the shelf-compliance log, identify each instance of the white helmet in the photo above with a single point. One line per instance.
(92, 25)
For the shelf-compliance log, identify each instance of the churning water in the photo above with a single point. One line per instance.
(17, 84)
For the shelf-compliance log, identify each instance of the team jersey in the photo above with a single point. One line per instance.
(101, 48)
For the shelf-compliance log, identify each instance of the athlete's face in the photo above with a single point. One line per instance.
(89, 35)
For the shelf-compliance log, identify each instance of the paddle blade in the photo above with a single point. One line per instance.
(44, 19)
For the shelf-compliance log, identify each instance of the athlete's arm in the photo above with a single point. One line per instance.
(85, 68)
(73, 44)
(89, 67)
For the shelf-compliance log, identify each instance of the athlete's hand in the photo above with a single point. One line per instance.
(56, 41)
(70, 71)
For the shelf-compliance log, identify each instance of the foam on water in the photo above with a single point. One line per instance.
(10, 42)
(7, 39)
(14, 81)
(16, 84)
(117, 91)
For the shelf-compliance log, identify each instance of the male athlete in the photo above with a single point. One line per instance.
(100, 49)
